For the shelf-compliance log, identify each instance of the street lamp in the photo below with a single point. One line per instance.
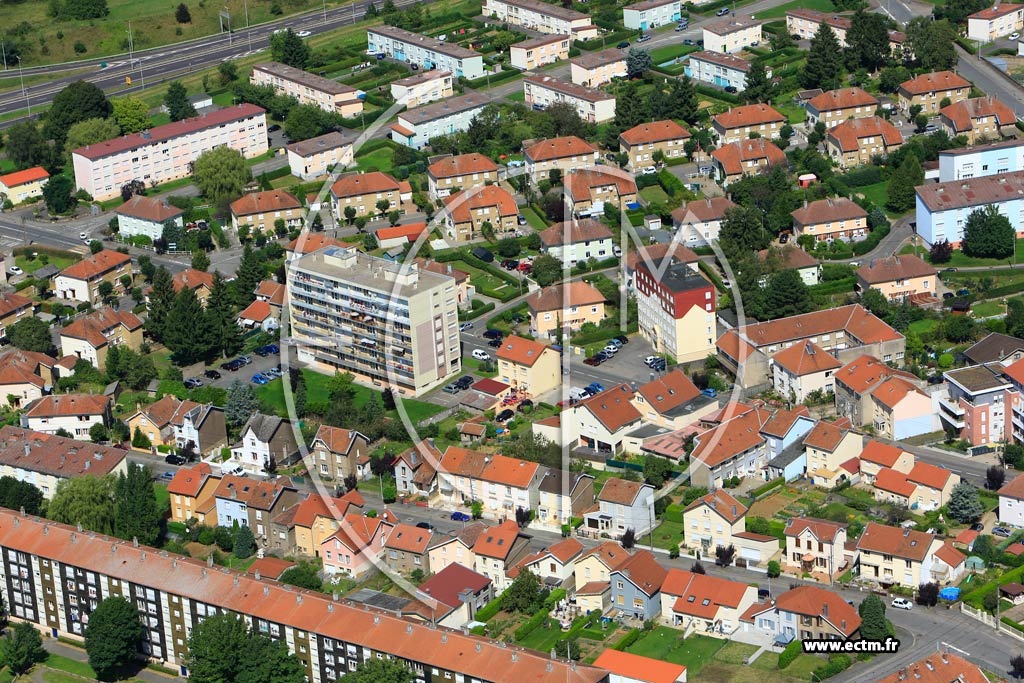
(24, 92)
(248, 33)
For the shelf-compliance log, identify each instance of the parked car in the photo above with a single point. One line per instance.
(594, 360)
(505, 415)
(465, 326)
(650, 360)
(948, 295)
(616, 342)
(763, 594)
(709, 392)
(688, 41)
(1001, 531)
(577, 394)
(902, 603)
(193, 383)
(510, 264)
(524, 404)
(452, 388)
(706, 170)
(783, 238)
(594, 388)
(659, 365)
(425, 525)
(521, 219)
(681, 27)
(977, 526)
(622, 339)
(464, 382)
(495, 343)
(950, 270)
(245, 360)
(175, 459)
(610, 350)
(493, 334)
(480, 354)
(260, 379)
(231, 365)
(273, 372)
(211, 374)
(460, 517)
(15, 270)
(482, 254)
(730, 89)
(525, 267)
(623, 45)
(643, 38)
(722, 12)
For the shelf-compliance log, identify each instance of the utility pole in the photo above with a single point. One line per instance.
(3, 49)
(24, 92)
(248, 33)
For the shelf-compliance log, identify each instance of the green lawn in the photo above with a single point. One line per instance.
(163, 498)
(517, 96)
(654, 193)
(316, 390)
(794, 113)
(779, 11)
(381, 159)
(31, 265)
(535, 220)
(470, 363)
(666, 535)
(72, 666)
(987, 309)
(666, 644)
(923, 326)
(669, 52)
(877, 193)
(961, 259)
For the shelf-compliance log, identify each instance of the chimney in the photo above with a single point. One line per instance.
(824, 610)
(266, 590)
(209, 560)
(135, 539)
(906, 532)
(257, 574)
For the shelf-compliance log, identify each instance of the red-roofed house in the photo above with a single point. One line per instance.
(142, 215)
(815, 546)
(570, 305)
(405, 549)
(81, 281)
(498, 549)
(734, 448)
(738, 123)
(362, 191)
(980, 118)
(529, 365)
(13, 307)
(303, 527)
(1011, 502)
(199, 282)
(901, 410)
(877, 455)
(930, 89)
(835, 106)
(191, 491)
(803, 369)
(831, 219)
(555, 565)
(462, 590)
(828, 446)
(589, 190)
(461, 172)
(258, 314)
(564, 154)
(261, 210)
(941, 667)
(466, 212)
(601, 422)
(642, 141)
(857, 141)
(804, 613)
(711, 605)
(897, 555)
(22, 186)
(856, 382)
(672, 401)
(338, 453)
(92, 336)
(746, 157)
(636, 586)
(359, 541)
(74, 413)
(624, 667)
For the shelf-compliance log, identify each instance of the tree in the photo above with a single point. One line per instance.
(628, 539)
(523, 595)
(248, 277)
(15, 495)
(638, 62)
(98, 433)
(1013, 455)
(379, 671)
(824, 65)
(988, 234)
(873, 625)
(21, 648)
(245, 542)
(350, 214)
(225, 334)
(990, 600)
(928, 594)
(546, 270)
(724, 555)
(774, 569)
(57, 193)
(502, 40)
(698, 568)
(902, 183)
(131, 114)
(220, 174)
(186, 332)
(288, 48)
(759, 88)
(31, 334)
(25, 145)
(182, 15)
(867, 41)
(304, 121)
(683, 97)
(217, 648)
(86, 500)
(1017, 666)
(932, 42)
(958, 328)
(241, 403)
(303, 575)
(136, 511)
(200, 260)
(132, 188)
(994, 477)
(78, 101)
(657, 470)
(113, 636)
(965, 504)
(161, 299)
(228, 71)
(630, 109)
(941, 252)
(1015, 317)
(787, 294)
(140, 440)
(741, 232)
(177, 102)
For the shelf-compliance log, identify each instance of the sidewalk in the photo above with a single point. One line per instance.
(64, 650)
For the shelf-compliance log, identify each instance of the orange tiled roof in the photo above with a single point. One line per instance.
(559, 148)
(963, 113)
(890, 268)
(97, 264)
(823, 529)
(497, 541)
(579, 230)
(843, 98)
(940, 667)
(463, 164)
(929, 475)
(580, 183)
(149, 209)
(880, 453)
(818, 602)
(612, 407)
(828, 211)
(69, 405)
(28, 450)
(733, 156)
(657, 131)
(732, 437)
(643, 571)
(94, 328)
(11, 302)
(520, 351)
(890, 540)
(193, 279)
(748, 115)
(408, 538)
(308, 242)
(268, 201)
(722, 502)
(359, 184)
(848, 134)
(669, 391)
(932, 82)
(626, 666)
(189, 481)
(462, 204)
(21, 177)
(558, 297)
(806, 359)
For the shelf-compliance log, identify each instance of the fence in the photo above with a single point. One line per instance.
(989, 620)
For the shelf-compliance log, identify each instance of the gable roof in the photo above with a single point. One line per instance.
(733, 155)
(789, 257)
(825, 435)
(497, 541)
(559, 148)
(929, 475)
(890, 540)
(995, 346)
(669, 391)
(1013, 488)
(853, 319)
(843, 98)
(191, 278)
(149, 209)
(963, 113)
(410, 231)
(579, 183)
(643, 571)
(408, 538)
(11, 302)
(939, 667)
(828, 211)
(628, 666)
(21, 177)
(336, 439)
(934, 81)
(748, 115)
(578, 229)
(307, 510)
(782, 420)
(621, 491)
(722, 502)
(58, 456)
(721, 59)
(657, 131)
(612, 408)
(818, 602)
(65, 405)
(93, 328)
(462, 164)
(865, 372)
(257, 311)
(824, 530)
(446, 585)
(462, 205)
(806, 359)
(880, 453)
(97, 264)
(358, 184)
(264, 202)
(736, 435)
(701, 595)
(893, 390)
(188, 481)
(950, 555)
(513, 472)
(897, 267)
(520, 350)
(848, 134)
(558, 297)
(609, 553)
(357, 531)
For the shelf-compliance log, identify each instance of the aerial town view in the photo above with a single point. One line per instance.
(512, 341)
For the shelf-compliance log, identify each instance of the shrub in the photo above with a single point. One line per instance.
(531, 625)
(791, 652)
(836, 665)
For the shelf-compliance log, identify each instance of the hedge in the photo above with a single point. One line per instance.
(792, 651)
(836, 665)
(489, 610)
(773, 484)
(506, 74)
(846, 284)
(554, 597)
(670, 183)
(717, 94)
(475, 313)
(531, 625)
(864, 246)
(628, 639)
(869, 175)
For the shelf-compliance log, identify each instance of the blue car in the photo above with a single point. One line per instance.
(460, 517)
(259, 379)
(595, 388)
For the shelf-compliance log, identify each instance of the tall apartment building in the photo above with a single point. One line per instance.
(384, 322)
(424, 51)
(981, 398)
(423, 88)
(416, 126)
(943, 208)
(307, 88)
(591, 105)
(676, 310)
(981, 160)
(54, 575)
(541, 17)
(166, 152)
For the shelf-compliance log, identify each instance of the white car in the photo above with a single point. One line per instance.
(611, 349)
(15, 270)
(465, 326)
(303, 34)
(1014, 36)
(84, 236)
(902, 603)
(648, 170)
(480, 354)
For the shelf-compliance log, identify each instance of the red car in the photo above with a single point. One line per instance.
(524, 267)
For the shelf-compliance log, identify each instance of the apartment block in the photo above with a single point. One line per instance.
(538, 52)
(981, 160)
(641, 142)
(994, 22)
(423, 88)
(731, 34)
(718, 68)
(651, 14)
(541, 17)
(563, 154)
(831, 219)
(309, 88)
(461, 172)
(983, 404)
(805, 23)
(262, 210)
(943, 208)
(166, 152)
(45, 460)
(676, 311)
(577, 240)
(835, 106)
(315, 157)
(591, 105)
(424, 51)
(929, 90)
(385, 322)
(416, 126)
(594, 69)
(738, 123)
(856, 142)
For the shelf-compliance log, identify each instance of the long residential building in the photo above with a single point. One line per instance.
(45, 460)
(416, 126)
(381, 321)
(538, 52)
(943, 208)
(981, 160)
(424, 51)
(308, 88)
(166, 153)
(650, 14)
(805, 23)
(718, 68)
(423, 88)
(54, 574)
(594, 69)
(592, 105)
(541, 17)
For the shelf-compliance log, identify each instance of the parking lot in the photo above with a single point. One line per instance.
(243, 374)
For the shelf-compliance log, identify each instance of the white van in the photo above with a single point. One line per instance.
(577, 394)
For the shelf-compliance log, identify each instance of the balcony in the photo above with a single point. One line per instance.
(951, 408)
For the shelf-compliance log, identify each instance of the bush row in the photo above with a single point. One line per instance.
(477, 312)
(628, 639)
(836, 665)
(866, 245)
(531, 625)
(506, 74)
(791, 652)
(487, 612)
(717, 94)
(846, 284)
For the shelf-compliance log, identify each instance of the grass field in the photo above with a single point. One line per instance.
(379, 159)
(316, 390)
(71, 666)
(877, 193)
(669, 52)
(666, 535)
(987, 309)
(961, 259)
(533, 218)
(779, 11)
(666, 644)
(654, 193)
(163, 498)
(517, 96)
(794, 113)
(31, 265)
